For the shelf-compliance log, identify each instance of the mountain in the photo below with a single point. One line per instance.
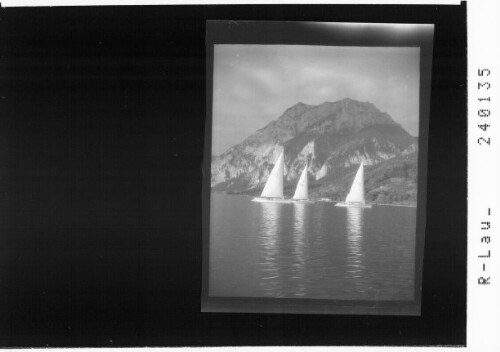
(334, 137)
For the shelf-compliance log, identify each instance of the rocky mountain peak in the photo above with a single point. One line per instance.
(333, 137)
(344, 116)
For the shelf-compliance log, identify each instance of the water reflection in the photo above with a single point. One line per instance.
(268, 237)
(318, 250)
(354, 258)
(298, 266)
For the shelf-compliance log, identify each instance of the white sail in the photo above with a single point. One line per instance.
(274, 184)
(301, 192)
(357, 192)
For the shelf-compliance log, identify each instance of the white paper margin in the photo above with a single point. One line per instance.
(483, 309)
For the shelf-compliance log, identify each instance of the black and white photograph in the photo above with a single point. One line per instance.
(244, 175)
(314, 171)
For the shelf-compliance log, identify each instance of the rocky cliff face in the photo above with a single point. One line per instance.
(333, 137)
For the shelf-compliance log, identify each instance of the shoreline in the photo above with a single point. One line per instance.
(319, 200)
(399, 205)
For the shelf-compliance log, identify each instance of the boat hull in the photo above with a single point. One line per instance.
(353, 205)
(300, 201)
(270, 200)
(325, 200)
(278, 200)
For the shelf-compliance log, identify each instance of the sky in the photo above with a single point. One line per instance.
(254, 84)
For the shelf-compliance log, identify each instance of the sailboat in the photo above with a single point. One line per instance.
(356, 196)
(273, 190)
(302, 192)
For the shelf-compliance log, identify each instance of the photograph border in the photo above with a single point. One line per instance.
(336, 34)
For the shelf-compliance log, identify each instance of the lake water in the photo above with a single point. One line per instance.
(310, 250)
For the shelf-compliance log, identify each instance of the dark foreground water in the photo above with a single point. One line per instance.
(310, 250)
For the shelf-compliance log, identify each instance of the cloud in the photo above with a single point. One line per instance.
(255, 84)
